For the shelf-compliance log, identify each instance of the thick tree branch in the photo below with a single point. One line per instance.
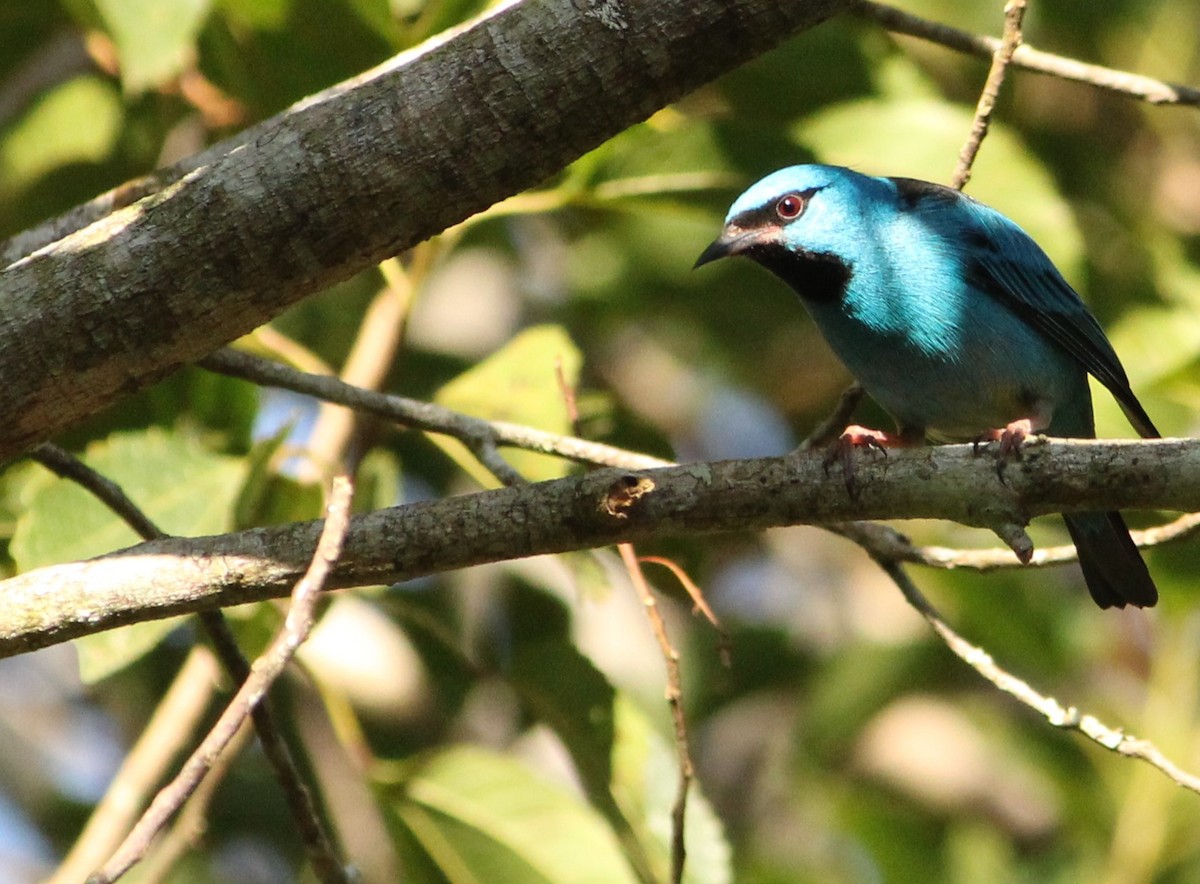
(342, 181)
(179, 575)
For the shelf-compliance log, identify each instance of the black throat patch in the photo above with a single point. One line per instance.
(818, 277)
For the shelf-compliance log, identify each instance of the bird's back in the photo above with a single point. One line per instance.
(936, 349)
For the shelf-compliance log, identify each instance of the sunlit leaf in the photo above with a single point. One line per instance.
(49, 135)
(184, 488)
(518, 384)
(476, 816)
(257, 13)
(645, 781)
(567, 692)
(155, 38)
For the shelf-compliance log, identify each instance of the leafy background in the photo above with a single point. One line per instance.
(507, 723)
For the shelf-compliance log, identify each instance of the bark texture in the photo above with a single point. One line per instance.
(180, 575)
(113, 299)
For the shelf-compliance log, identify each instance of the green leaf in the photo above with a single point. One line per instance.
(568, 693)
(105, 653)
(155, 38)
(476, 816)
(519, 384)
(50, 135)
(377, 482)
(184, 488)
(265, 14)
(923, 138)
(645, 780)
(268, 497)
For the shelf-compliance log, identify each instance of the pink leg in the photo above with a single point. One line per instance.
(1010, 437)
(855, 436)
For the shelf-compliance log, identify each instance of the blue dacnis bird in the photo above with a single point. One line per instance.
(951, 317)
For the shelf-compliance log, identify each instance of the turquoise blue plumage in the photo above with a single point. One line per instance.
(951, 317)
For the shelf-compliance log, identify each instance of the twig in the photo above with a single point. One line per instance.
(192, 822)
(1014, 13)
(697, 596)
(674, 691)
(65, 464)
(570, 400)
(379, 337)
(170, 728)
(1069, 717)
(1120, 82)
(899, 548)
(266, 670)
(482, 437)
(674, 695)
(274, 746)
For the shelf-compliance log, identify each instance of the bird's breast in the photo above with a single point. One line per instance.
(955, 363)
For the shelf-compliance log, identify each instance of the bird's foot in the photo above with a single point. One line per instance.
(1011, 438)
(842, 448)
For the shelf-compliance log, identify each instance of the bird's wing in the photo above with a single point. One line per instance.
(1002, 261)
(1015, 271)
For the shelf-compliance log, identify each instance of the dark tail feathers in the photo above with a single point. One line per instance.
(1112, 566)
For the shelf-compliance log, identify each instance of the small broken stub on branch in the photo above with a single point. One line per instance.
(623, 494)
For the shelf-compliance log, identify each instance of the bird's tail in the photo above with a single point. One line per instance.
(1112, 566)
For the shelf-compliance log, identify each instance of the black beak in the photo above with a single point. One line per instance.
(732, 241)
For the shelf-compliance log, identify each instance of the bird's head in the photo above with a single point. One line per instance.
(800, 215)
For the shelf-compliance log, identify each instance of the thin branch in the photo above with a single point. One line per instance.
(674, 694)
(274, 746)
(65, 464)
(482, 437)
(1120, 82)
(192, 822)
(379, 337)
(1014, 14)
(266, 670)
(1068, 717)
(898, 547)
(670, 657)
(169, 730)
(698, 601)
(569, 397)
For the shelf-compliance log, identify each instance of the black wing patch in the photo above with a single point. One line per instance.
(1044, 300)
(1006, 264)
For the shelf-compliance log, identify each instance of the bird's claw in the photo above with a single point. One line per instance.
(1011, 438)
(842, 448)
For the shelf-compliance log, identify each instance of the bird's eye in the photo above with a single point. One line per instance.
(790, 206)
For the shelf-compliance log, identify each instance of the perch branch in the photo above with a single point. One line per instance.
(180, 575)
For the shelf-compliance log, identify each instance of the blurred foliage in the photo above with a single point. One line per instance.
(508, 721)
